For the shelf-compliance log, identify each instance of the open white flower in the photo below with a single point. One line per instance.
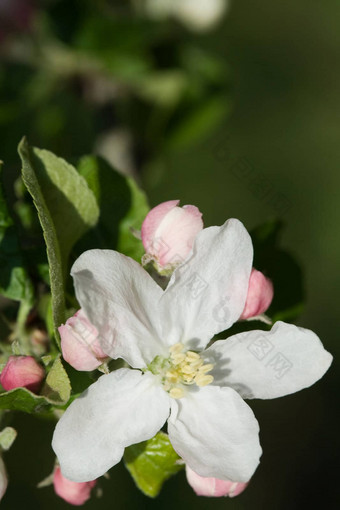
(162, 335)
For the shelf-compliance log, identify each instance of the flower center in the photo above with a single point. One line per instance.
(181, 368)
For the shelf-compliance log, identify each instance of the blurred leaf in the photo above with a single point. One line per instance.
(57, 385)
(14, 280)
(66, 209)
(163, 87)
(151, 463)
(7, 438)
(282, 269)
(203, 65)
(198, 121)
(122, 205)
(120, 44)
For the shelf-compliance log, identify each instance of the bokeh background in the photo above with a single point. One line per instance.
(241, 120)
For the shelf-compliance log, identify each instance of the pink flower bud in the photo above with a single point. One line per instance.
(213, 487)
(168, 232)
(22, 372)
(3, 479)
(260, 295)
(79, 343)
(75, 493)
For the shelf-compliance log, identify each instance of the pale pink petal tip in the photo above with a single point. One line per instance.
(22, 372)
(75, 493)
(168, 232)
(260, 295)
(213, 487)
(79, 343)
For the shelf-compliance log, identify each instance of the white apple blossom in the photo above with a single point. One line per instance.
(163, 335)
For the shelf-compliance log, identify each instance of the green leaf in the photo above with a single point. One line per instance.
(123, 206)
(151, 463)
(57, 385)
(66, 208)
(282, 268)
(21, 399)
(14, 281)
(7, 437)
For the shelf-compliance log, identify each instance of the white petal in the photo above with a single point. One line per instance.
(207, 294)
(120, 298)
(269, 364)
(216, 433)
(120, 409)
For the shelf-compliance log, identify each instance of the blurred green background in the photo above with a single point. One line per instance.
(242, 121)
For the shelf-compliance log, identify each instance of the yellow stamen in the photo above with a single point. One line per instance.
(192, 356)
(176, 348)
(178, 358)
(196, 364)
(181, 368)
(187, 369)
(203, 380)
(206, 368)
(172, 377)
(188, 378)
(176, 392)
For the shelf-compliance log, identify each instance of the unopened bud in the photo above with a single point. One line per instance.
(168, 233)
(213, 487)
(79, 343)
(260, 295)
(75, 493)
(22, 372)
